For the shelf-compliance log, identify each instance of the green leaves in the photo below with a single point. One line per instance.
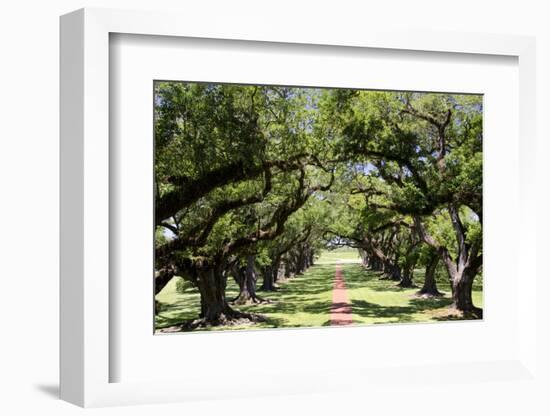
(203, 126)
(248, 166)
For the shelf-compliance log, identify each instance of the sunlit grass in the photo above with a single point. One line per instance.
(305, 300)
(376, 301)
(342, 254)
(302, 301)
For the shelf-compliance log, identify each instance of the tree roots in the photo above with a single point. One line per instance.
(429, 294)
(249, 300)
(233, 318)
(271, 289)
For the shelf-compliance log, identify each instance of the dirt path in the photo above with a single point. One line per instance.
(340, 312)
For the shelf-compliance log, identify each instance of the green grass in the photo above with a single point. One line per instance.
(344, 254)
(375, 301)
(302, 301)
(305, 301)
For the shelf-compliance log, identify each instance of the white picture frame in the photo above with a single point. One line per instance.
(85, 266)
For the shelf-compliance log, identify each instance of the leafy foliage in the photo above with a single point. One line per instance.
(283, 172)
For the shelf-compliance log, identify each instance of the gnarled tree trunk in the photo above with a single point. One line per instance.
(463, 270)
(406, 280)
(311, 257)
(392, 272)
(280, 272)
(462, 282)
(268, 278)
(270, 273)
(246, 278)
(215, 310)
(290, 266)
(411, 258)
(429, 289)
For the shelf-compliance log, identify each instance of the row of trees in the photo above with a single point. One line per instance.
(417, 165)
(249, 178)
(236, 169)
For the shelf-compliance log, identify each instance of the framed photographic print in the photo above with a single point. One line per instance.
(301, 203)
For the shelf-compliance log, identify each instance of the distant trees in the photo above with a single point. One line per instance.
(251, 180)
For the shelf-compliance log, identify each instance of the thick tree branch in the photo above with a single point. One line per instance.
(428, 239)
(198, 235)
(275, 226)
(188, 190)
(459, 234)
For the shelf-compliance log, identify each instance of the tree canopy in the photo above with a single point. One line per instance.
(252, 177)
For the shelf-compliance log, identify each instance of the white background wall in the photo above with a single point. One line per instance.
(29, 57)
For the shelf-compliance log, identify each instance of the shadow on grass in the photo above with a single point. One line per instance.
(305, 300)
(186, 308)
(318, 307)
(423, 304)
(357, 276)
(408, 308)
(447, 318)
(163, 321)
(373, 310)
(298, 294)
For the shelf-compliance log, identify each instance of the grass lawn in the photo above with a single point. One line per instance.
(305, 301)
(375, 301)
(300, 301)
(342, 254)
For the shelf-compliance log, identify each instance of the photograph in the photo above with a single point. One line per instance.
(287, 207)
